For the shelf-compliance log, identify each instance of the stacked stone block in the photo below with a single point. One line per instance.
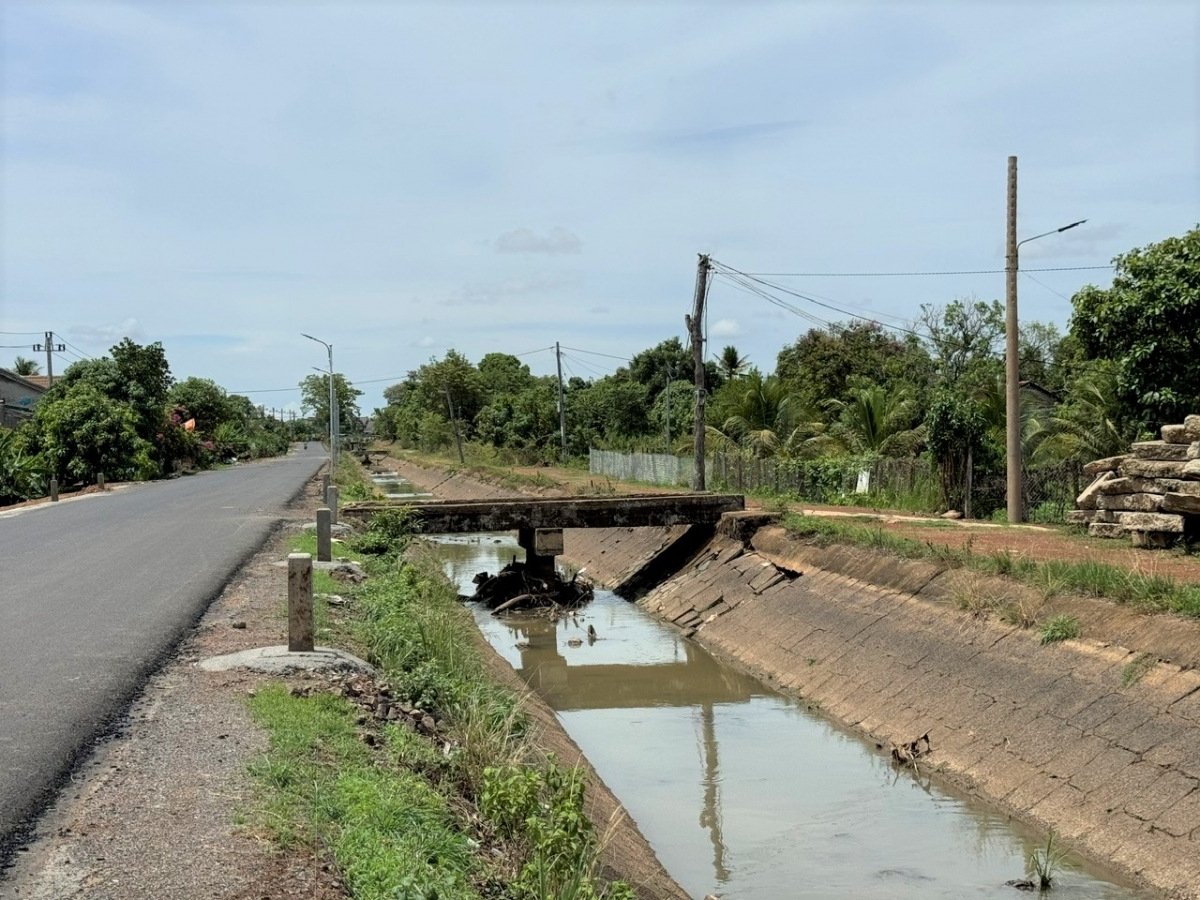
(1151, 494)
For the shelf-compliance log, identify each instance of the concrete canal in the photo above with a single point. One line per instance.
(742, 791)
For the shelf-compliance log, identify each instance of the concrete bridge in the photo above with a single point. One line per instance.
(539, 522)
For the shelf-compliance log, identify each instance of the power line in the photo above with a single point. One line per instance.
(37, 333)
(1046, 286)
(594, 353)
(531, 352)
(77, 350)
(918, 274)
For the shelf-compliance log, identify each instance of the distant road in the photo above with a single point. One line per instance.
(95, 592)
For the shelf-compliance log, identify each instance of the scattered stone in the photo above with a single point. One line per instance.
(1109, 464)
(1185, 504)
(1140, 521)
(1176, 434)
(1194, 450)
(1153, 540)
(1191, 469)
(1149, 468)
(1160, 450)
(1106, 530)
(238, 625)
(1131, 502)
(1087, 500)
(952, 514)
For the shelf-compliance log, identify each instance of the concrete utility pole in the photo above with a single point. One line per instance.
(1012, 374)
(50, 348)
(454, 422)
(695, 326)
(1012, 349)
(562, 403)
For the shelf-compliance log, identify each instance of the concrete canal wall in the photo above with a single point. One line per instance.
(1087, 737)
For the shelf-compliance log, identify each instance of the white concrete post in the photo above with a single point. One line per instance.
(54, 490)
(332, 503)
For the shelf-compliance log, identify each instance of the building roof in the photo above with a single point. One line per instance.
(37, 383)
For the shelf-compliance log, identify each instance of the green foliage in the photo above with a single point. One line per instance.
(877, 419)
(390, 531)
(21, 475)
(1146, 323)
(314, 400)
(965, 335)
(1043, 864)
(761, 415)
(81, 432)
(24, 367)
(206, 401)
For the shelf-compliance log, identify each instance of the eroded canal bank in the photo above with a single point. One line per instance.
(1050, 735)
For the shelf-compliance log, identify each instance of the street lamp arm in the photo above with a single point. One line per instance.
(1048, 233)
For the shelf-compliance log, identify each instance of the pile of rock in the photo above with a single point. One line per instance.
(1151, 494)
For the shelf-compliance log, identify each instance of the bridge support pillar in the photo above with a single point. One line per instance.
(541, 546)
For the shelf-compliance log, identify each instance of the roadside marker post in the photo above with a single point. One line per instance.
(325, 485)
(300, 603)
(100, 480)
(324, 535)
(53, 490)
(332, 502)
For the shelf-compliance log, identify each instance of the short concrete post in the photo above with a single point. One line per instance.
(324, 542)
(300, 603)
(332, 503)
(100, 480)
(54, 490)
(325, 486)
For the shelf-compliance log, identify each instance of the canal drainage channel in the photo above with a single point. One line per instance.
(742, 791)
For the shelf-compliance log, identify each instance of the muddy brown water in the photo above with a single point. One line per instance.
(741, 790)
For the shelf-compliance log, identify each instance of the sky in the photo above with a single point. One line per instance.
(401, 178)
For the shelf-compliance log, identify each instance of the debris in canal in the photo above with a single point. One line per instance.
(515, 587)
(907, 754)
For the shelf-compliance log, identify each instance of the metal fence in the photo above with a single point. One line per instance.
(651, 468)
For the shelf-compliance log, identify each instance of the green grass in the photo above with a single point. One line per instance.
(1150, 593)
(1060, 628)
(390, 831)
(353, 481)
(1137, 668)
(406, 819)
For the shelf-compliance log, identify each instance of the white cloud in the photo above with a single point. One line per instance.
(725, 328)
(490, 292)
(523, 240)
(107, 335)
(427, 341)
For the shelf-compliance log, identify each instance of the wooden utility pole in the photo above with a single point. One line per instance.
(1012, 371)
(695, 326)
(562, 403)
(454, 422)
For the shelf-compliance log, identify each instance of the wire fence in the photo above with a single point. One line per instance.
(913, 485)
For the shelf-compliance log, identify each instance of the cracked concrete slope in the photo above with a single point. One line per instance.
(95, 594)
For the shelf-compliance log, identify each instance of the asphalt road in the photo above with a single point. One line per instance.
(95, 592)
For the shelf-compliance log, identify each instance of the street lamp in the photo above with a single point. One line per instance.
(334, 425)
(1012, 369)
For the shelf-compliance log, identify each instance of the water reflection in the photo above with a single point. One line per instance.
(773, 801)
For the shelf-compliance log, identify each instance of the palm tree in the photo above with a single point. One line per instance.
(731, 364)
(1087, 426)
(769, 420)
(874, 414)
(23, 366)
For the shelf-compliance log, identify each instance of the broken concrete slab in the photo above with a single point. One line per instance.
(278, 660)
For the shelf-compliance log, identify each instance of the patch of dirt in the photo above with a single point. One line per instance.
(154, 813)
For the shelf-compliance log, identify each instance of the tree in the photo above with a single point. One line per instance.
(503, 374)
(965, 335)
(875, 418)
(143, 381)
(205, 400)
(83, 432)
(822, 364)
(25, 367)
(1146, 323)
(314, 400)
(731, 364)
(763, 416)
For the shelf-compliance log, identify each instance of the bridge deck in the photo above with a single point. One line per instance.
(449, 516)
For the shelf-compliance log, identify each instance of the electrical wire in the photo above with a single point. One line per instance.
(35, 333)
(918, 274)
(1046, 286)
(77, 350)
(594, 353)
